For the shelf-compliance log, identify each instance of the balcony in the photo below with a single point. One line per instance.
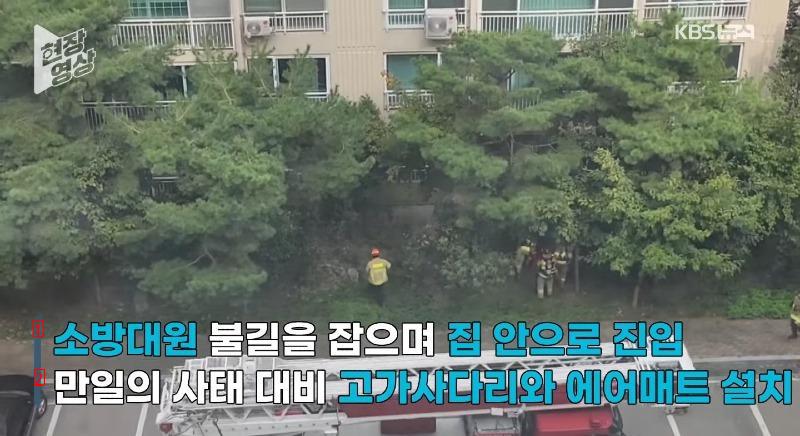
(700, 10)
(315, 21)
(397, 99)
(187, 33)
(561, 24)
(415, 18)
(95, 118)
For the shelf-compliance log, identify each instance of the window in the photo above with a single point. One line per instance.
(553, 5)
(320, 74)
(499, 5)
(159, 8)
(280, 69)
(425, 4)
(177, 83)
(733, 56)
(447, 4)
(403, 68)
(273, 6)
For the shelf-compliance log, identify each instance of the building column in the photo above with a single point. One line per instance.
(237, 13)
(473, 14)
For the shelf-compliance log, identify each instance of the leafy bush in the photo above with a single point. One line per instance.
(760, 303)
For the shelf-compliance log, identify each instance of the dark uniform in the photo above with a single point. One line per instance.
(546, 271)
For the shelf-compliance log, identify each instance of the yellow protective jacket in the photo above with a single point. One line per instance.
(796, 310)
(378, 271)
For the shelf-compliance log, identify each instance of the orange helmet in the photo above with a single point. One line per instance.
(376, 252)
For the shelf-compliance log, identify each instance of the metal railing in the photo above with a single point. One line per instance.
(318, 96)
(184, 32)
(561, 24)
(700, 10)
(95, 117)
(695, 87)
(415, 18)
(312, 21)
(397, 99)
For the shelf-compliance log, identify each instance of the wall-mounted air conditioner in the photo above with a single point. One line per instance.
(255, 27)
(440, 23)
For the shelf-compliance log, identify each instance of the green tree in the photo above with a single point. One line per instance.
(687, 179)
(61, 187)
(496, 130)
(242, 154)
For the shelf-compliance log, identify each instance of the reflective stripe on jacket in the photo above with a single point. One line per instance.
(378, 271)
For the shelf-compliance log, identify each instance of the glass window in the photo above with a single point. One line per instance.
(177, 83)
(403, 68)
(554, 5)
(520, 80)
(262, 6)
(733, 54)
(451, 4)
(499, 5)
(159, 8)
(305, 5)
(406, 4)
(614, 4)
(320, 74)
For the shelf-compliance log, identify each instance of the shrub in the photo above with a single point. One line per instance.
(760, 303)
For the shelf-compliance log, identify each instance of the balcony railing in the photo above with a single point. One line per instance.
(318, 96)
(694, 87)
(561, 24)
(313, 21)
(96, 117)
(415, 18)
(397, 99)
(700, 10)
(184, 32)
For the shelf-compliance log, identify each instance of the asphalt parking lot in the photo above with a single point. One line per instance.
(712, 420)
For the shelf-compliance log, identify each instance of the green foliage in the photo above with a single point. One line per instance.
(499, 103)
(459, 263)
(760, 303)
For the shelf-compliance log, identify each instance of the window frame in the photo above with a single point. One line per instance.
(425, 6)
(149, 10)
(283, 9)
(406, 53)
(595, 7)
(739, 62)
(276, 78)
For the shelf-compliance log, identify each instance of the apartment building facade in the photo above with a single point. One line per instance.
(356, 43)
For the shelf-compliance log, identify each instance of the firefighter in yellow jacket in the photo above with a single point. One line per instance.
(795, 316)
(378, 275)
(522, 257)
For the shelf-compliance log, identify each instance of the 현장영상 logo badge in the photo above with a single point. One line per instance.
(59, 59)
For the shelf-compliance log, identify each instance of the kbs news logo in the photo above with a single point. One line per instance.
(721, 32)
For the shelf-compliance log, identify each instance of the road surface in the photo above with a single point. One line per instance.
(711, 420)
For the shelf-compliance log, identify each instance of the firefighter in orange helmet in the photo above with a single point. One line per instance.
(378, 275)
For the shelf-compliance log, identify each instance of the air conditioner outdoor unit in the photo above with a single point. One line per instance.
(440, 23)
(255, 27)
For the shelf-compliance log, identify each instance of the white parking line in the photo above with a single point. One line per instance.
(673, 425)
(142, 417)
(760, 420)
(53, 420)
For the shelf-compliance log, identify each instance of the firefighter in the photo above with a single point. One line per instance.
(545, 273)
(522, 257)
(795, 317)
(561, 260)
(378, 275)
